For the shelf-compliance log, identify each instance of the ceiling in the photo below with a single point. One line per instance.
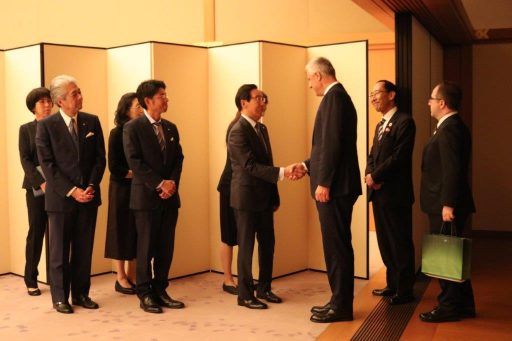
(452, 22)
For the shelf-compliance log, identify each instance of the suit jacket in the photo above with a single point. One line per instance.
(28, 156)
(117, 164)
(254, 177)
(390, 160)
(333, 162)
(445, 169)
(63, 166)
(148, 164)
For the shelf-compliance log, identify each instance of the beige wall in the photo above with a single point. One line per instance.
(350, 62)
(302, 22)
(185, 72)
(492, 120)
(427, 70)
(89, 67)
(102, 23)
(285, 84)
(22, 74)
(5, 247)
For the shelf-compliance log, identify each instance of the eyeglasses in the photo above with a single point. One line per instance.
(261, 99)
(375, 93)
(434, 99)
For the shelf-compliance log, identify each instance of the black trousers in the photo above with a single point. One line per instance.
(71, 233)
(253, 225)
(37, 225)
(393, 224)
(155, 241)
(335, 219)
(453, 296)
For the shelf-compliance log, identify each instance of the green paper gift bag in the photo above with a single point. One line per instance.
(446, 257)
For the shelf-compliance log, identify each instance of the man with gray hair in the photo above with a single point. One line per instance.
(335, 184)
(71, 151)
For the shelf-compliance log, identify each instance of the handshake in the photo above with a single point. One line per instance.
(295, 171)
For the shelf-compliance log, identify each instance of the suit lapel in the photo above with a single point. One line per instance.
(254, 140)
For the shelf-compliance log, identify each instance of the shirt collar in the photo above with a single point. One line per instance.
(330, 86)
(387, 116)
(251, 121)
(151, 119)
(442, 119)
(66, 118)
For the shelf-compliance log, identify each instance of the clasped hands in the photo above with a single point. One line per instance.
(167, 189)
(83, 196)
(294, 171)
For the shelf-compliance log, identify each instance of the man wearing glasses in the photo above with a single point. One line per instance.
(254, 196)
(389, 180)
(445, 195)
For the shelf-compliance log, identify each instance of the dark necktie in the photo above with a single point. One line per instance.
(72, 131)
(159, 135)
(381, 129)
(259, 132)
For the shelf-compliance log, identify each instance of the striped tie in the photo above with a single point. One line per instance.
(381, 128)
(159, 135)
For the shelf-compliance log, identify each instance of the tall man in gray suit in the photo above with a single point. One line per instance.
(71, 151)
(335, 184)
(153, 152)
(445, 194)
(254, 196)
(389, 180)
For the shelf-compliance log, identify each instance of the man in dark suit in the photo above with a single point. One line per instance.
(445, 193)
(389, 179)
(153, 151)
(254, 196)
(335, 183)
(71, 151)
(39, 102)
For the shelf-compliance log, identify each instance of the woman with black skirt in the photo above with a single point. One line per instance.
(121, 240)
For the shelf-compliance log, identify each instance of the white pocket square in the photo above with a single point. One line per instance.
(89, 134)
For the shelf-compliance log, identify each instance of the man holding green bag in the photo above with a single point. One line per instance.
(445, 194)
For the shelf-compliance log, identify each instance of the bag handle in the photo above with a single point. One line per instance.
(452, 226)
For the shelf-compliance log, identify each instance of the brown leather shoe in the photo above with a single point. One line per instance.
(252, 303)
(321, 309)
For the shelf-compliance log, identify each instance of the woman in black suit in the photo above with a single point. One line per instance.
(228, 227)
(40, 104)
(121, 234)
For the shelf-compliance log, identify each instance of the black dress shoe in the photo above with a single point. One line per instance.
(440, 315)
(269, 296)
(35, 292)
(150, 305)
(401, 299)
(127, 291)
(165, 300)
(383, 292)
(332, 316)
(63, 307)
(321, 309)
(252, 303)
(85, 302)
(230, 289)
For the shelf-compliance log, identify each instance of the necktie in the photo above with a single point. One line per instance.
(160, 135)
(72, 131)
(381, 128)
(259, 132)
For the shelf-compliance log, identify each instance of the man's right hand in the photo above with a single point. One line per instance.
(82, 196)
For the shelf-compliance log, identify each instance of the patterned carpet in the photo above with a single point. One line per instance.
(210, 314)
